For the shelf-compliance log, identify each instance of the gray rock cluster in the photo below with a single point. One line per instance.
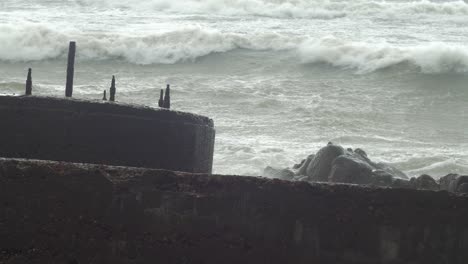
(335, 164)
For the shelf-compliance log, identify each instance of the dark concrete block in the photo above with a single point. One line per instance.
(76, 213)
(105, 133)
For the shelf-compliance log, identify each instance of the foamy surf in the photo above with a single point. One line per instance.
(317, 9)
(368, 57)
(33, 42)
(280, 78)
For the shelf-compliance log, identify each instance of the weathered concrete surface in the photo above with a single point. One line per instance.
(104, 133)
(67, 213)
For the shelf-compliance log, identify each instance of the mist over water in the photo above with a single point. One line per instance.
(280, 78)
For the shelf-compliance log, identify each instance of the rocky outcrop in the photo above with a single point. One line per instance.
(319, 168)
(424, 182)
(333, 163)
(283, 174)
(62, 213)
(350, 169)
(454, 183)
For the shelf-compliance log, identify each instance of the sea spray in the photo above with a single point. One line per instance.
(37, 42)
(315, 9)
(32, 42)
(367, 57)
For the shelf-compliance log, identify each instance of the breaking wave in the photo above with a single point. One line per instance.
(38, 42)
(369, 57)
(321, 9)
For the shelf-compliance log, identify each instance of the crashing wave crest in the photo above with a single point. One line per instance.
(320, 9)
(38, 42)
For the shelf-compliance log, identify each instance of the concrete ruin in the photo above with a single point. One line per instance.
(75, 213)
(72, 130)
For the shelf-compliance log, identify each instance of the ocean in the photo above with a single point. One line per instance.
(280, 78)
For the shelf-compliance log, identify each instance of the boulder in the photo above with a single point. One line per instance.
(446, 182)
(425, 182)
(463, 188)
(350, 169)
(319, 168)
(382, 178)
(302, 170)
(333, 163)
(454, 183)
(284, 174)
(459, 183)
(361, 153)
(298, 165)
(391, 170)
(402, 184)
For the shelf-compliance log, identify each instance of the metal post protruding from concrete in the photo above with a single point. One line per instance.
(112, 90)
(29, 83)
(104, 98)
(161, 98)
(167, 98)
(70, 69)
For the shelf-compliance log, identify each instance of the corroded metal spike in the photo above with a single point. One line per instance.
(70, 69)
(29, 83)
(112, 90)
(161, 98)
(167, 98)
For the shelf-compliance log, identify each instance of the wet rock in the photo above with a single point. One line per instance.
(333, 163)
(382, 179)
(320, 167)
(303, 168)
(284, 174)
(350, 169)
(403, 184)
(459, 182)
(391, 170)
(425, 182)
(447, 181)
(463, 188)
(454, 183)
(298, 165)
(362, 153)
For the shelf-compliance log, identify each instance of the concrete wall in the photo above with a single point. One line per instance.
(105, 133)
(66, 213)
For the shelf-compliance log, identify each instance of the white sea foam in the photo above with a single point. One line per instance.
(441, 168)
(368, 57)
(33, 42)
(38, 42)
(322, 9)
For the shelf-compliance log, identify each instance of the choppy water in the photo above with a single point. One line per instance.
(280, 78)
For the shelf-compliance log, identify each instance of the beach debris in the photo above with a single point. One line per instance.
(70, 69)
(167, 98)
(104, 98)
(112, 90)
(29, 83)
(161, 98)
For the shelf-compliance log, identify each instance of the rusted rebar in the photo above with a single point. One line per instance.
(29, 83)
(161, 98)
(70, 69)
(112, 90)
(167, 98)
